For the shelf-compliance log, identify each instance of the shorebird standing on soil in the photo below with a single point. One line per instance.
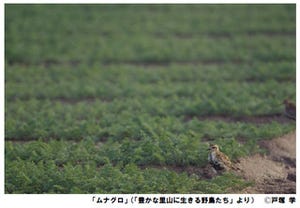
(290, 109)
(218, 160)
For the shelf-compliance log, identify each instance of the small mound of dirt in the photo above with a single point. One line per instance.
(274, 173)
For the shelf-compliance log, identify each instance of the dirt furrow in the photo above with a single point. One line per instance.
(258, 119)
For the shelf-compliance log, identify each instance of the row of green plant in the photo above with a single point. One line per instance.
(66, 167)
(41, 119)
(48, 76)
(145, 19)
(28, 177)
(124, 73)
(249, 98)
(145, 49)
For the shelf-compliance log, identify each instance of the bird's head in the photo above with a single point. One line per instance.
(286, 101)
(213, 147)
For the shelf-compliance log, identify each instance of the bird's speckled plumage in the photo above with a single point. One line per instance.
(218, 159)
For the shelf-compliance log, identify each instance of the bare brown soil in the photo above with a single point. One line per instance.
(87, 99)
(259, 119)
(225, 34)
(275, 172)
(48, 63)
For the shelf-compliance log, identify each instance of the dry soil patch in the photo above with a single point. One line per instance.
(275, 172)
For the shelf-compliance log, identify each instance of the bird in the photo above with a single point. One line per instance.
(290, 109)
(217, 159)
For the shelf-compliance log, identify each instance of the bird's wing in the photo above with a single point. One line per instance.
(225, 159)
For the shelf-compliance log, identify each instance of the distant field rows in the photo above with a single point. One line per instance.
(63, 83)
(155, 36)
(144, 49)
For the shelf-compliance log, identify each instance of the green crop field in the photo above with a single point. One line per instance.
(127, 98)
